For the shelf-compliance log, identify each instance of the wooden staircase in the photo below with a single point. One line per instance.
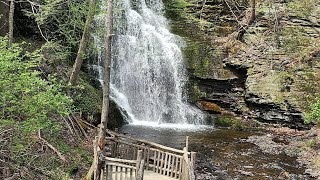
(127, 158)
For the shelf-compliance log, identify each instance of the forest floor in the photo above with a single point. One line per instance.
(304, 145)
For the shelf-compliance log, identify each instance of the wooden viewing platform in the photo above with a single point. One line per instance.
(127, 158)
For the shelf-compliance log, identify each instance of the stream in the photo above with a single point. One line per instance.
(223, 153)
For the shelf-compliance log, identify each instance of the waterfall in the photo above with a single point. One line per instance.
(148, 73)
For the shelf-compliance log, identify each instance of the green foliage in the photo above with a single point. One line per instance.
(314, 114)
(62, 20)
(176, 8)
(311, 143)
(302, 8)
(87, 99)
(24, 96)
(228, 121)
(307, 81)
(295, 40)
(199, 57)
(24, 149)
(297, 43)
(176, 5)
(54, 53)
(223, 121)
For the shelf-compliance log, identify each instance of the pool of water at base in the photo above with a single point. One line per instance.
(223, 153)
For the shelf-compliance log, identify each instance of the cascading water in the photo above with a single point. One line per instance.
(148, 75)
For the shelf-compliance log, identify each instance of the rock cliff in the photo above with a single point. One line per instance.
(271, 75)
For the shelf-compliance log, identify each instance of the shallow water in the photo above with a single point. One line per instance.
(222, 153)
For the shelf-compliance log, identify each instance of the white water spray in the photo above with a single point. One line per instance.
(148, 75)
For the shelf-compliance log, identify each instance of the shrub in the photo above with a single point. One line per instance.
(314, 114)
(24, 96)
(87, 99)
(176, 5)
(229, 121)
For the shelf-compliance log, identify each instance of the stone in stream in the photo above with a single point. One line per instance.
(245, 173)
(308, 171)
(248, 167)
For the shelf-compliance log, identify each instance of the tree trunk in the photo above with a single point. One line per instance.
(4, 16)
(11, 14)
(249, 19)
(106, 78)
(252, 11)
(83, 45)
(106, 89)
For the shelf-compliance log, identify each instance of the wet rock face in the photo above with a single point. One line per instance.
(117, 117)
(263, 95)
(225, 93)
(266, 111)
(265, 78)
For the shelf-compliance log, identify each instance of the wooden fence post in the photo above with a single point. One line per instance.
(185, 165)
(187, 143)
(140, 165)
(192, 166)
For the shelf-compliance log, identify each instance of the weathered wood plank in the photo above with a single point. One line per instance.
(165, 164)
(158, 161)
(121, 165)
(150, 175)
(162, 161)
(169, 166)
(177, 165)
(119, 160)
(154, 161)
(141, 141)
(148, 158)
(173, 165)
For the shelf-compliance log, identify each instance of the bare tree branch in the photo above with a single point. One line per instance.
(52, 147)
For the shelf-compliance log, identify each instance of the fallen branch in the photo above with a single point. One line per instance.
(15, 176)
(85, 122)
(80, 126)
(51, 147)
(68, 125)
(74, 128)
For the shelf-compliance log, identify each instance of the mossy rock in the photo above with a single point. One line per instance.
(236, 123)
(229, 121)
(87, 98)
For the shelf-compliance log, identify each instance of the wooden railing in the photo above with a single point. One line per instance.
(123, 169)
(167, 161)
